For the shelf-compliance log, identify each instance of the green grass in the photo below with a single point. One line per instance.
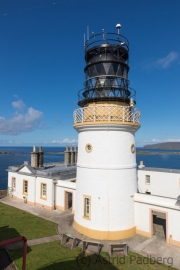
(15, 222)
(53, 256)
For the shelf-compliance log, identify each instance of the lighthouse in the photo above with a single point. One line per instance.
(106, 123)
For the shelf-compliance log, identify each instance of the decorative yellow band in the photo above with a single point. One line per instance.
(106, 122)
(105, 235)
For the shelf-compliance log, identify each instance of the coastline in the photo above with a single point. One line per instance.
(156, 153)
(137, 153)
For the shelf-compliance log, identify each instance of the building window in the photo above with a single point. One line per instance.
(147, 179)
(43, 191)
(13, 183)
(87, 207)
(25, 187)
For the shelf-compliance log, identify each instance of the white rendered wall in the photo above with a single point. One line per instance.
(49, 200)
(61, 188)
(34, 189)
(19, 186)
(10, 176)
(144, 203)
(25, 170)
(108, 175)
(165, 184)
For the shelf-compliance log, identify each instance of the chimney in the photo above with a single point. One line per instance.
(41, 157)
(66, 156)
(75, 154)
(141, 165)
(34, 158)
(72, 155)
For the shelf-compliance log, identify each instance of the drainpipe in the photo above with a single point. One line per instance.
(54, 182)
(35, 180)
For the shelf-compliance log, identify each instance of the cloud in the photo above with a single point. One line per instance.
(65, 141)
(8, 143)
(162, 63)
(21, 122)
(166, 61)
(19, 105)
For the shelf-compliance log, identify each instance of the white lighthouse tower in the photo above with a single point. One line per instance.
(106, 123)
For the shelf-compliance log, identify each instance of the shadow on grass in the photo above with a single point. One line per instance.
(17, 253)
(82, 262)
(7, 233)
(5, 260)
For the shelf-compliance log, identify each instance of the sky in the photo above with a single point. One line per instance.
(42, 66)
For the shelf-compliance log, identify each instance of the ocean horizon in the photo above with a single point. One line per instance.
(19, 154)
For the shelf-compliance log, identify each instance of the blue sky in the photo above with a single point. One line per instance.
(42, 62)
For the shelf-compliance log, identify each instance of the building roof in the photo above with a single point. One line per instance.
(49, 169)
(171, 203)
(159, 170)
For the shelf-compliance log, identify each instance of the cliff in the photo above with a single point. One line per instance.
(164, 146)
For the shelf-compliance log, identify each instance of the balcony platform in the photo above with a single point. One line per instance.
(107, 115)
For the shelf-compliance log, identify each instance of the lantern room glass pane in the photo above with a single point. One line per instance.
(119, 71)
(98, 68)
(106, 67)
(111, 70)
(115, 67)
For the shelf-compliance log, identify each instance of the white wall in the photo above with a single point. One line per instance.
(49, 201)
(111, 201)
(61, 188)
(19, 185)
(165, 184)
(108, 175)
(142, 205)
(34, 189)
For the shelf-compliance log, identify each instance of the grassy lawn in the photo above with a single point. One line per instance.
(53, 256)
(15, 222)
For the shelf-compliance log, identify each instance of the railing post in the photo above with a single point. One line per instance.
(24, 254)
(75, 117)
(82, 113)
(123, 114)
(94, 109)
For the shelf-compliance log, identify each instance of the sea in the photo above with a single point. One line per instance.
(20, 154)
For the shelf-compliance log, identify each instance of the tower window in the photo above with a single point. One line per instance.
(133, 148)
(87, 207)
(147, 180)
(88, 147)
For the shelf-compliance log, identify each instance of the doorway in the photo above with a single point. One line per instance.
(68, 200)
(159, 224)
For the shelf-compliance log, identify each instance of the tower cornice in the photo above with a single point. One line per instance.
(116, 126)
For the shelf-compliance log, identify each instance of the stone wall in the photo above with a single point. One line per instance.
(3, 193)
